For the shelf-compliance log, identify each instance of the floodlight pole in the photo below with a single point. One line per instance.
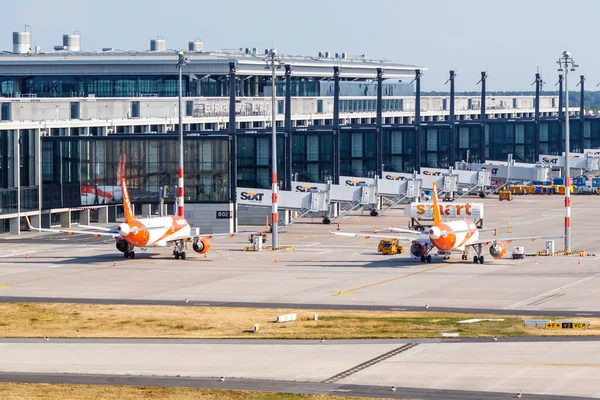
(566, 62)
(272, 60)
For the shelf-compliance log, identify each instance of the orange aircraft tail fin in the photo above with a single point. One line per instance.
(437, 218)
(126, 202)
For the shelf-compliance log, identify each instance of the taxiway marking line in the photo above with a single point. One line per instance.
(549, 292)
(55, 276)
(389, 280)
(501, 363)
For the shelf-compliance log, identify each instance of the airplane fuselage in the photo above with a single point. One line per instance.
(163, 230)
(454, 235)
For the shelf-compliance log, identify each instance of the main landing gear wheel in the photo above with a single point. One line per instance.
(129, 254)
(475, 259)
(182, 255)
(374, 213)
(326, 221)
(481, 260)
(422, 258)
(429, 259)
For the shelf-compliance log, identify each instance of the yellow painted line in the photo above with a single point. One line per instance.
(351, 291)
(343, 292)
(4, 286)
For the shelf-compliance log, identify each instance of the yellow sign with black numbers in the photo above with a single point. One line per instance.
(566, 325)
(553, 325)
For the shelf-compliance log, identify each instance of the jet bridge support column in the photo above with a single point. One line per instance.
(452, 118)
(288, 128)
(581, 113)
(482, 116)
(379, 138)
(418, 120)
(538, 81)
(336, 126)
(232, 144)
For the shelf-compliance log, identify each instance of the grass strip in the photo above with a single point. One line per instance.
(133, 321)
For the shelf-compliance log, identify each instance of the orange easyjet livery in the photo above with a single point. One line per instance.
(147, 232)
(451, 237)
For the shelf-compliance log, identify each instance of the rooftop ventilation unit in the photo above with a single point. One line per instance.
(320, 54)
(72, 42)
(343, 55)
(327, 54)
(158, 44)
(21, 42)
(196, 46)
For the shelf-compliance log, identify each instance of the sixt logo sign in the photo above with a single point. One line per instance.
(432, 173)
(394, 178)
(550, 160)
(252, 196)
(493, 170)
(355, 182)
(305, 188)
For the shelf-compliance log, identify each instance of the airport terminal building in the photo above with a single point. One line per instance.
(74, 122)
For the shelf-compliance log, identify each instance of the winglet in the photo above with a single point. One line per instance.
(437, 218)
(126, 202)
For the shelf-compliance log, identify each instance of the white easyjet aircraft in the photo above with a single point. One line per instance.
(147, 232)
(451, 236)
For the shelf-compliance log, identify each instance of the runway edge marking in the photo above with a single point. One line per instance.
(370, 363)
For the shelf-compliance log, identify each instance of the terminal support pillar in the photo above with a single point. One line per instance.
(418, 120)
(581, 113)
(538, 81)
(233, 144)
(482, 117)
(288, 128)
(452, 119)
(336, 126)
(379, 122)
(559, 145)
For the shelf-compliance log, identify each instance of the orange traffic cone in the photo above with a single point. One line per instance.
(114, 263)
(26, 256)
(579, 261)
(276, 259)
(338, 227)
(205, 255)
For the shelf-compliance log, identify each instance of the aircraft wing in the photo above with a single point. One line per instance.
(367, 236)
(101, 232)
(510, 239)
(210, 235)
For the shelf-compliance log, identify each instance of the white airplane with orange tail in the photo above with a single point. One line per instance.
(146, 232)
(451, 237)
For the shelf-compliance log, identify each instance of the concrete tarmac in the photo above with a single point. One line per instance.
(323, 269)
(558, 368)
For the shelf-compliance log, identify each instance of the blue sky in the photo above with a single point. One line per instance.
(509, 39)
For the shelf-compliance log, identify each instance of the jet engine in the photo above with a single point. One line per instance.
(418, 249)
(497, 250)
(201, 246)
(124, 229)
(122, 245)
(435, 232)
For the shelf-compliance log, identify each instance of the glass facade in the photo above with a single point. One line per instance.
(83, 171)
(99, 86)
(26, 173)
